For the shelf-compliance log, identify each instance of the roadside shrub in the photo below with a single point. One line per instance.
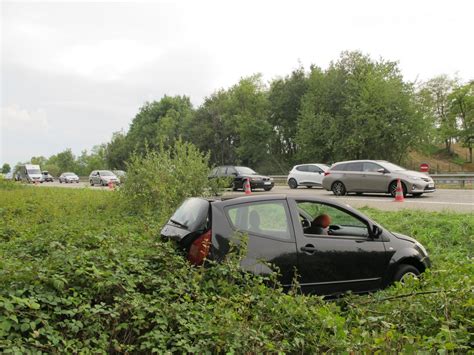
(160, 180)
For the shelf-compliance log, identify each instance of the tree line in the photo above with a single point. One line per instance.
(357, 108)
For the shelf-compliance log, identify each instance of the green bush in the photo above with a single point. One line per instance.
(160, 180)
(79, 274)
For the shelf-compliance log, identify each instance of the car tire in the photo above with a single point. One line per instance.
(418, 194)
(309, 187)
(404, 271)
(393, 189)
(267, 188)
(338, 188)
(292, 183)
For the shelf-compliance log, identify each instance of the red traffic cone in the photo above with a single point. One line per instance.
(111, 185)
(247, 188)
(399, 193)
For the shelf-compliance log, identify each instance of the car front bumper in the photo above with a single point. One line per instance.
(421, 188)
(260, 184)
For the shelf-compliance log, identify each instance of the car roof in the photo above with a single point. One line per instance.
(361, 161)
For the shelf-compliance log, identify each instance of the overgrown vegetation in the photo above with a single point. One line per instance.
(78, 272)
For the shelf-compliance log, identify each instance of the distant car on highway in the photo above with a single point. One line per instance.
(361, 176)
(68, 177)
(239, 174)
(308, 175)
(46, 176)
(103, 177)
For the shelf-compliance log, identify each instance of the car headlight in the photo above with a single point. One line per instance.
(271, 179)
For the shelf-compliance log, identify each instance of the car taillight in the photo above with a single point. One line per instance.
(326, 173)
(200, 248)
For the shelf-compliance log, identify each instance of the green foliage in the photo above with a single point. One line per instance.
(357, 109)
(159, 181)
(6, 168)
(81, 274)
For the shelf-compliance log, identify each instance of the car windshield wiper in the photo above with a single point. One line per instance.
(179, 224)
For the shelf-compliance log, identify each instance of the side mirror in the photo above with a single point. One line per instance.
(381, 170)
(376, 231)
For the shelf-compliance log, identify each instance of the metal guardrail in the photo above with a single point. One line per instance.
(448, 179)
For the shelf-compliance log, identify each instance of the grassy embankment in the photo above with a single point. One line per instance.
(77, 271)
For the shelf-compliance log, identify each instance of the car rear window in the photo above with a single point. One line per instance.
(193, 213)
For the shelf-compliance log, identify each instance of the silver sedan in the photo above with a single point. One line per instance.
(361, 176)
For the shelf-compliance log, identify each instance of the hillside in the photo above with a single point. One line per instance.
(441, 162)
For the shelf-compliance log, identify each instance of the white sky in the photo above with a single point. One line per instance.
(72, 73)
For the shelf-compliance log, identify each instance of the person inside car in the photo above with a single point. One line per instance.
(319, 225)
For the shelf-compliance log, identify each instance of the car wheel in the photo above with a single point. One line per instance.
(267, 188)
(103, 183)
(309, 187)
(393, 189)
(418, 194)
(404, 272)
(338, 188)
(292, 183)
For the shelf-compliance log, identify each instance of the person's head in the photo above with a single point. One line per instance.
(323, 220)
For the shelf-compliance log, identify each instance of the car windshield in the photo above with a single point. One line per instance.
(106, 173)
(392, 167)
(324, 167)
(34, 171)
(69, 174)
(243, 170)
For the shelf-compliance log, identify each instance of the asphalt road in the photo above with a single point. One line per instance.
(441, 200)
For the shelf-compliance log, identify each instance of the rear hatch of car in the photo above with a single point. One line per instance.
(190, 227)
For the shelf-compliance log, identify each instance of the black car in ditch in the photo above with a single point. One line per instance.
(332, 247)
(238, 175)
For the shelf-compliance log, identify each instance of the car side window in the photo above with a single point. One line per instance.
(221, 171)
(269, 219)
(314, 169)
(321, 219)
(303, 168)
(353, 167)
(370, 167)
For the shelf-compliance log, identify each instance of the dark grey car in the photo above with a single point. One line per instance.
(375, 176)
(345, 250)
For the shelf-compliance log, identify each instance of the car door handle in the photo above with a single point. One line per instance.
(308, 249)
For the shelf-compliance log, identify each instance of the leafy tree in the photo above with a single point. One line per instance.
(435, 97)
(6, 168)
(160, 122)
(462, 109)
(38, 161)
(117, 151)
(62, 162)
(357, 109)
(285, 96)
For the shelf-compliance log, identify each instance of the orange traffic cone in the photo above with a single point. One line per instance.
(111, 185)
(399, 193)
(247, 188)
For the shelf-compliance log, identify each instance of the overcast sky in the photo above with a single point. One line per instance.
(72, 73)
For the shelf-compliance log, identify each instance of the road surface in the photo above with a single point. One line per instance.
(441, 200)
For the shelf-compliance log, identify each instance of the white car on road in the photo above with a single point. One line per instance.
(308, 175)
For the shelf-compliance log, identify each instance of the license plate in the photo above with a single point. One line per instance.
(267, 183)
(431, 186)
